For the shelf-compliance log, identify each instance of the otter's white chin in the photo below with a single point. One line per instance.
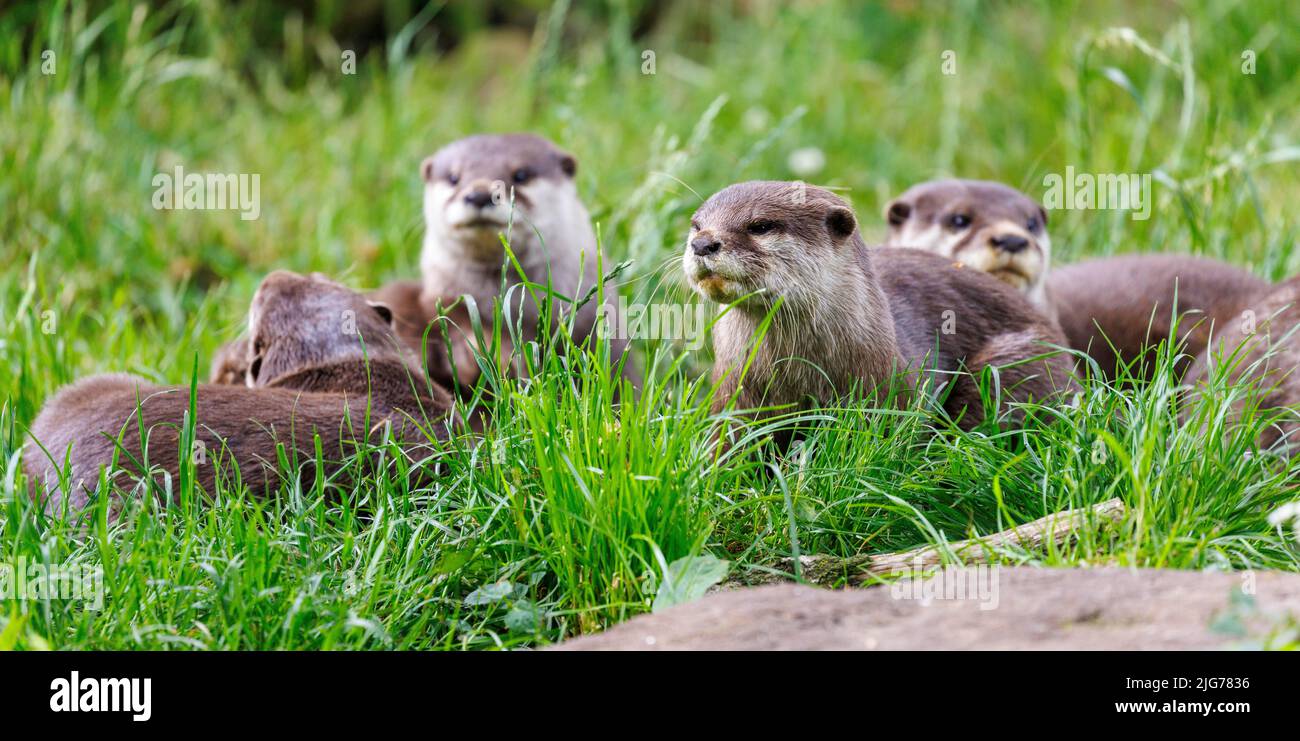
(717, 288)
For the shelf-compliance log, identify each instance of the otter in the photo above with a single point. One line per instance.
(1263, 347)
(1119, 309)
(984, 225)
(402, 299)
(853, 317)
(322, 361)
(430, 337)
(1116, 309)
(519, 187)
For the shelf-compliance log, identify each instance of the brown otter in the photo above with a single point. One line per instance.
(402, 298)
(852, 316)
(1118, 309)
(322, 362)
(1261, 346)
(1126, 301)
(520, 187)
(984, 225)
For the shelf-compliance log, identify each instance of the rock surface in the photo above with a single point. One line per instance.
(1005, 608)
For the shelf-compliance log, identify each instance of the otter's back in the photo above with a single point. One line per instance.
(1128, 301)
(938, 305)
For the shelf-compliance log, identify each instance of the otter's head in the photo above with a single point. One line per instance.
(984, 225)
(473, 187)
(297, 322)
(783, 239)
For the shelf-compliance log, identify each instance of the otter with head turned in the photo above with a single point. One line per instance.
(402, 299)
(1117, 309)
(852, 318)
(322, 361)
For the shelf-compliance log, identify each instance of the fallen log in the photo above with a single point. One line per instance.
(1056, 528)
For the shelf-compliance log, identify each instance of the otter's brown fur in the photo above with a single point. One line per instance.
(425, 325)
(230, 364)
(1261, 346)
(853, 317)
(322, 362)
(1129, 302)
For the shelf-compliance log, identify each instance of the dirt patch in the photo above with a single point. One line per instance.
(1004, 608)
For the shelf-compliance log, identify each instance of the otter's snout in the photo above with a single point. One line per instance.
(704, 246)
(1009, 243)
(479, 197)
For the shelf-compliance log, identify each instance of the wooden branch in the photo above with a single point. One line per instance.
(1057, 528)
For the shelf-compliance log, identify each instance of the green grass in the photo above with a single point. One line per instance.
(563, 518)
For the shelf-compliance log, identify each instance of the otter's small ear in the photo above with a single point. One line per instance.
(426, 169)
(568, 164)
(254, 369)
(1042, 212)
(840, 222)
(897, 212)
(384, 311)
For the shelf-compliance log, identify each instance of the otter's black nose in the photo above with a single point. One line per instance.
(478, 198)
(1010, 243)
(704, 246)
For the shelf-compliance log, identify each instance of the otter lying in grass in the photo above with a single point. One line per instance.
(1117, 309)
(322, 364)
(1261, 348)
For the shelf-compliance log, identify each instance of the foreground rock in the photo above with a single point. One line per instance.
(1005, 608)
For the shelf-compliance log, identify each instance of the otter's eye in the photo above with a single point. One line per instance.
(959, 221)
(1032, 224)
(761, 227)
(522, 175)
(453, 178)
(695, 227)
